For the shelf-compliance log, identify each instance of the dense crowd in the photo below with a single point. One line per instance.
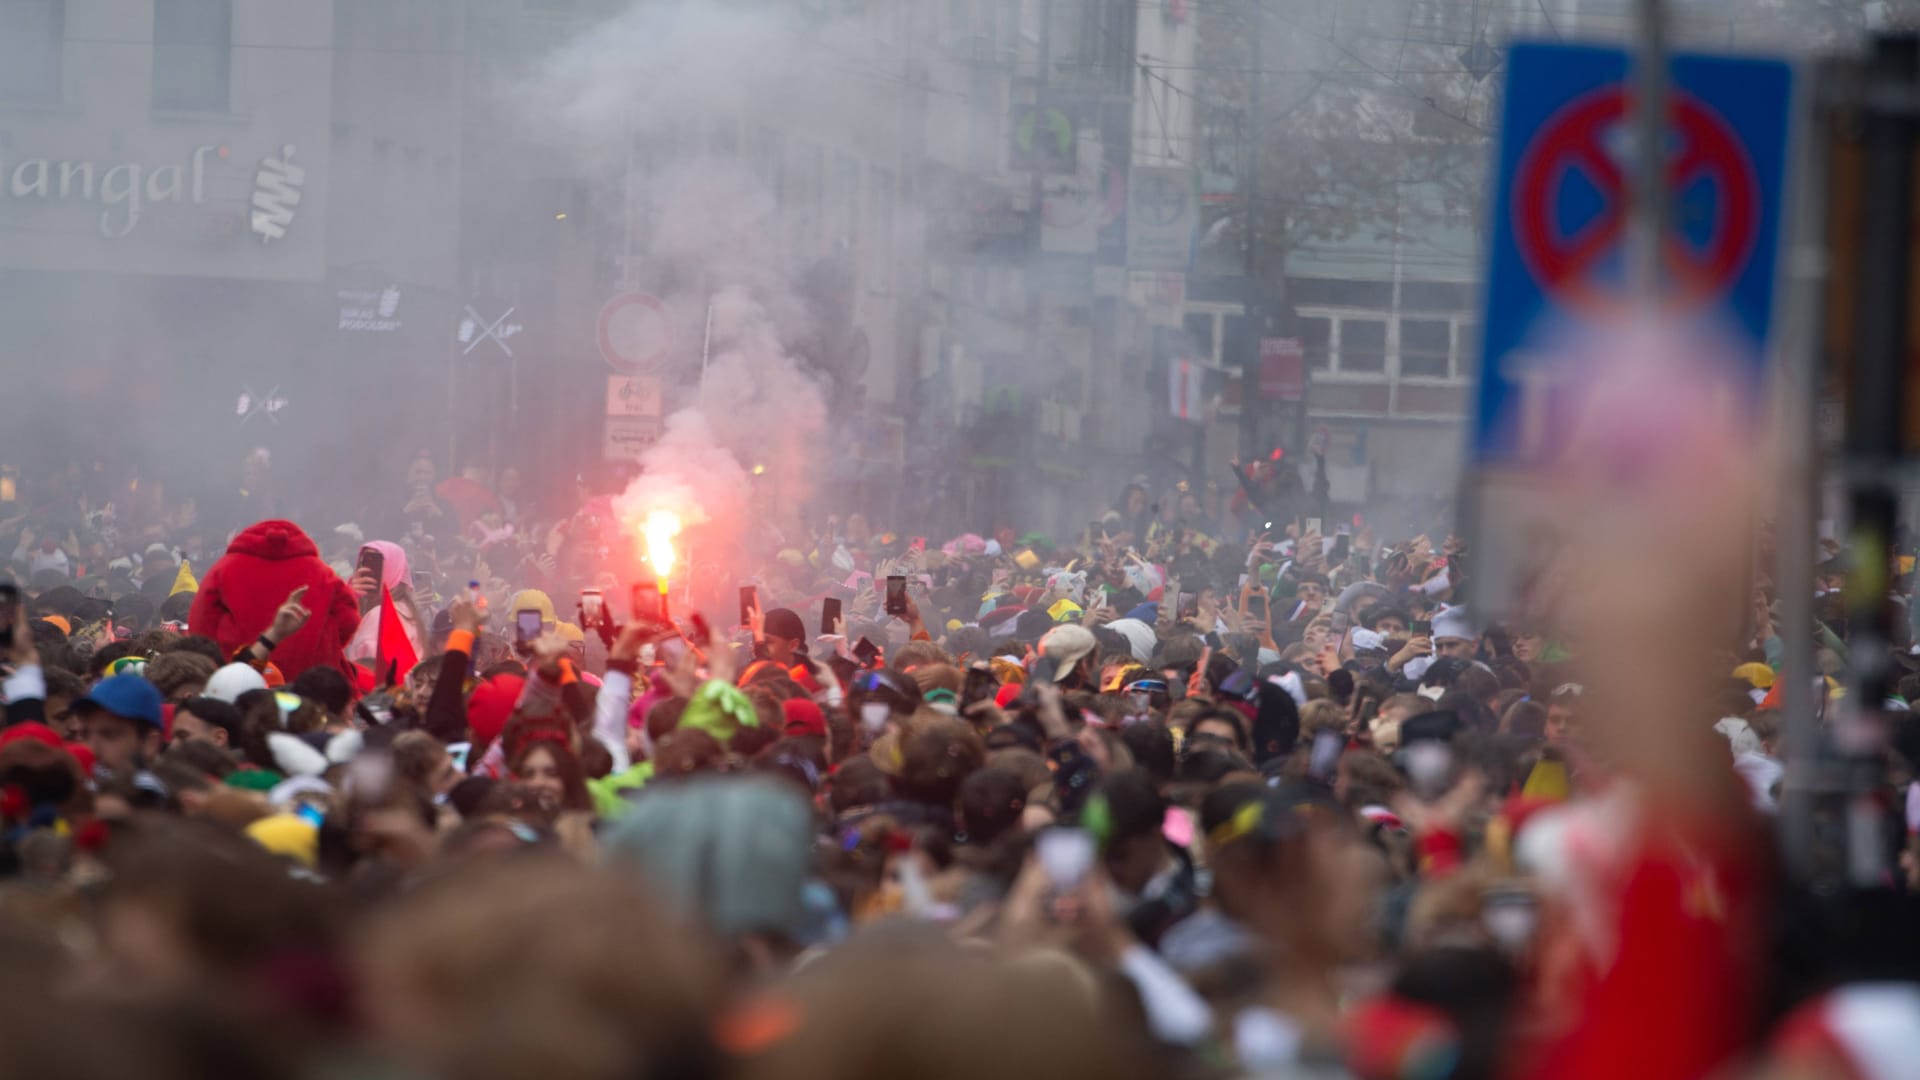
(1215, 786)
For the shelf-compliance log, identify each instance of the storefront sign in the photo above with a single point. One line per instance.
(123, 188)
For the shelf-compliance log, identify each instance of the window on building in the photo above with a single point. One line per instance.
(1469, 350)
(1341, 292)
(192, 54)
(1237, 347)
(1425, 347)
(1435, 296)
(32, 40)
(1363, 346)
(1199, 326)
(1316, 338)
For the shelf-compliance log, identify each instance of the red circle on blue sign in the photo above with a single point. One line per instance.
(1575, 140)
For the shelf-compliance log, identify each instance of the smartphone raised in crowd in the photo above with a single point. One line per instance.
(829, 614)
(1325, 758)
(865, 651)
(526, 625)
(1420, 627)
(9, 614)
(1313, 526)
(749, 600)
(1065, 855)
(593, 608)
(896, 594)
(374, 563)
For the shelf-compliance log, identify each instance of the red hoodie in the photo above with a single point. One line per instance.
(263, 565)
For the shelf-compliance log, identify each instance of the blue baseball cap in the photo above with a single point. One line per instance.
(129, 697)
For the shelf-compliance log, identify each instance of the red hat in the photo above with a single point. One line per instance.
(491, 704)
(1007, 694)
(37, 732)
(804, 717)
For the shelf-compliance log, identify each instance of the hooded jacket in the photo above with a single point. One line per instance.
(263, 565)
(394, 572)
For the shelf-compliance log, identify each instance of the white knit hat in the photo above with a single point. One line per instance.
(1452, 622)
(233, 680)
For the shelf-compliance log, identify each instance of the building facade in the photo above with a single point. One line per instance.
(216, 221)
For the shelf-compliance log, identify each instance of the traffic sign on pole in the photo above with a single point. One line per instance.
(635, 332)
(1558, 260)
(1560, 270)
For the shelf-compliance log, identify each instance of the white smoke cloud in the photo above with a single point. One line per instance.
(712, 240)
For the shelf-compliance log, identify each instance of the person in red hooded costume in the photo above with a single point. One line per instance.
(262, 567)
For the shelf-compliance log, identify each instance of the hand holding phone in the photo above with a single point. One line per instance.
(830, 615)
(526, 627)
(896, 594)
(593, 608)
(1324, 761)
(1065, 855)
(373, 563)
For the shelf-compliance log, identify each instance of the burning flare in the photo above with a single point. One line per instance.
(660, 529)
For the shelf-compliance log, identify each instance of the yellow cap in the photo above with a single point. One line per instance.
(289, 835)
(1758, 675)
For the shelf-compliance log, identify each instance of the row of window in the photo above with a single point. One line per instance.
(192, 53)
(1374, 343)
(1358, 343)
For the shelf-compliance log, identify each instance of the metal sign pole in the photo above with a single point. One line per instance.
(1650, 80)
(1874, 430)
(1809, 773)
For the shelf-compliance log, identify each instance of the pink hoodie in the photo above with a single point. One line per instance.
(365, 644)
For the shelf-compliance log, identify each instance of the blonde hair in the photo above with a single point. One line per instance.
(1321, 715)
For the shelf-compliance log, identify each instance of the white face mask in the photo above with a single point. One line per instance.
(873, 717)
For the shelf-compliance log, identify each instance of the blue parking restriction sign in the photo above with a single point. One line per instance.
(1558, 254)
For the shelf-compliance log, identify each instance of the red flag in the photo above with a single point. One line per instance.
(396, 652)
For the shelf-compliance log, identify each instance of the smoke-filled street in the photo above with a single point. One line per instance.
(721, 539)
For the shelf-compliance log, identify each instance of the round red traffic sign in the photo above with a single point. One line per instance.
(635, 332)
(1566, 261)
